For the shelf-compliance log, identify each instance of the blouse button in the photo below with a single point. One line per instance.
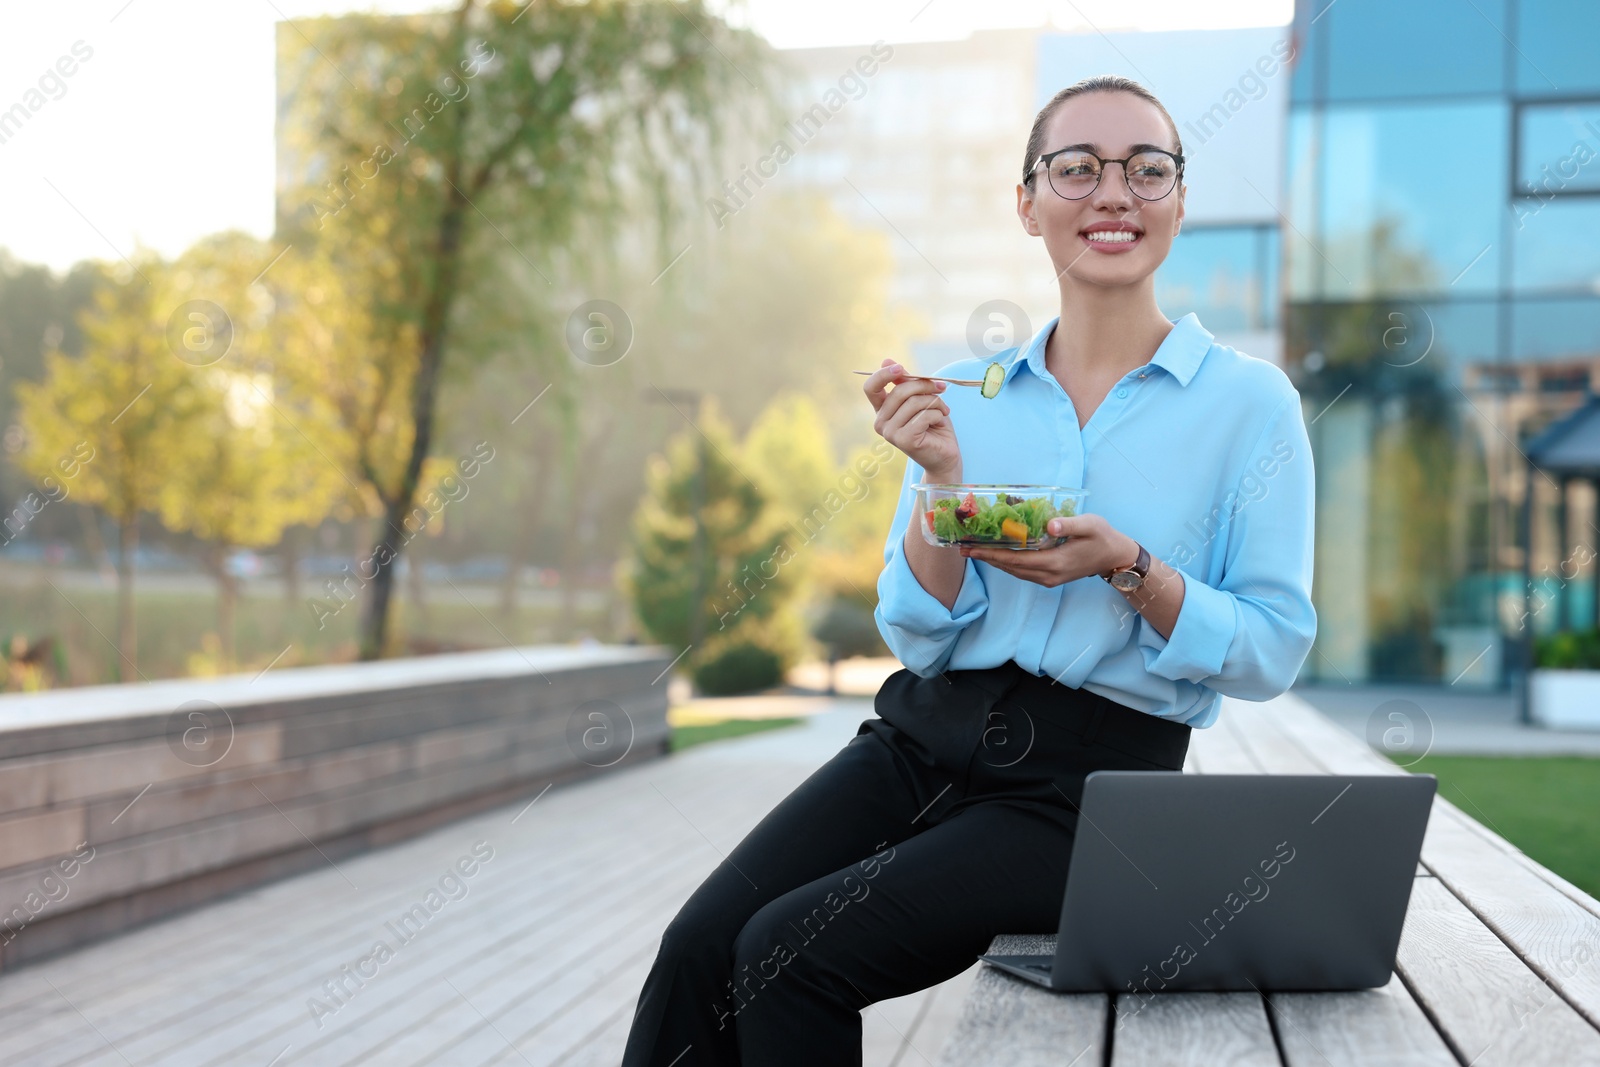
(1122, 392)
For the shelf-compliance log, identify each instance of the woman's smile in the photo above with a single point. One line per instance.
(1111, 237)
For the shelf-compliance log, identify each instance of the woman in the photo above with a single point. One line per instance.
(950, 817)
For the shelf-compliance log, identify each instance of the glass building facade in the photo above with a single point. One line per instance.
(1441, 303)
(1226, 273)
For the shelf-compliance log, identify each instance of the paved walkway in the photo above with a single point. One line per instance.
(534, 958)
(1442, 720)
(1400, 720)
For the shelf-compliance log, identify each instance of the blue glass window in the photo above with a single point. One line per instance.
(1556, 46)
(1300, 233)
(1308, 38)
(1411, 199)
(1379, 48)
(1555, 329)
(1553, 244)
(1558, 150)
(1441, 337)
(1227, 275)
(1270, 244)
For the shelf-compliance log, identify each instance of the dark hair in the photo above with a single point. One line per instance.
(1100, 83)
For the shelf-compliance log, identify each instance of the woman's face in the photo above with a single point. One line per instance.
(1112, 122)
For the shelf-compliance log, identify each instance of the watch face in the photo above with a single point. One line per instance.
(1126, 580)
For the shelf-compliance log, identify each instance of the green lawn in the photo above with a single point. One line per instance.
(684, 736)
(1547, 806)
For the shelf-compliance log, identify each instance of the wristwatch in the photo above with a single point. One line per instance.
(1132, 576)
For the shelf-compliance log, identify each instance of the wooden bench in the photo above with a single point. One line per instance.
(1499, 960)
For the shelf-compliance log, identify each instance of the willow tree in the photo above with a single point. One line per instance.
(436, 156)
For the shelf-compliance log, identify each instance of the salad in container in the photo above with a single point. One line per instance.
(1002, 516)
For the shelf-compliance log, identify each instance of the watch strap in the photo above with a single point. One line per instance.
(1140, 565)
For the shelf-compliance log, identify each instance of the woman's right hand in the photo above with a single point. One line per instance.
(916, 420)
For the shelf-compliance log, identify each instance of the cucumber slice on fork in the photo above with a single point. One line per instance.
(993, 376)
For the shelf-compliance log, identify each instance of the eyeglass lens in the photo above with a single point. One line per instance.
(1150, 175)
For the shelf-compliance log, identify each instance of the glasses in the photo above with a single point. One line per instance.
(1075, 173)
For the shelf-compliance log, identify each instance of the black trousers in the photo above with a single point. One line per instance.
(946, 820)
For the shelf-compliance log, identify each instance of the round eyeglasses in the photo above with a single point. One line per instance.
(1074, 173)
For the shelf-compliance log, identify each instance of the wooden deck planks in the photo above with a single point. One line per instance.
(145, 1009)
(284, 989)
(546, 953)
(1489, 1006)
(1382, 1027)
(1192, 1030)
(1009, 1022)
(1547, 930)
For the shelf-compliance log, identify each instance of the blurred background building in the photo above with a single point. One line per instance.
(1442, 303)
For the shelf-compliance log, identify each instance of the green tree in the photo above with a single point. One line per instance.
(38, 312)
(123, 409)
(849, 550)
(746, 587)
(789, 454)
(434, 152)
(250, 464)
(835, 518)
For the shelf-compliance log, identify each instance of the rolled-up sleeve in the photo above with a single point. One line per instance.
(915, 624)
(1248, 635)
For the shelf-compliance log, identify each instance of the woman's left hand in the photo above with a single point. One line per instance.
(1095, 547)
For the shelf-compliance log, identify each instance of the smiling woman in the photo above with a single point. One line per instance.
(1166, 430)
(1162, 425)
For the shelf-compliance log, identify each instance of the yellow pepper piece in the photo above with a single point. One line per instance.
(1013, 530)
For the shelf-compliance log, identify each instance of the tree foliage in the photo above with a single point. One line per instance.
(253, 458)
(125, 407)
(432, 152)
(38, 313)
(745, 581)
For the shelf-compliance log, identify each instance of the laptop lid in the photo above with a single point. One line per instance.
(1239, 881)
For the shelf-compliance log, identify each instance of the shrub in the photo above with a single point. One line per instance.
(1570, 649)
(742, 664)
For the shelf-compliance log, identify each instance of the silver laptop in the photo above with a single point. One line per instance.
(1235, 882)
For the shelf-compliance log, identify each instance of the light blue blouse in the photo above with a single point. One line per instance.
(1200, 455)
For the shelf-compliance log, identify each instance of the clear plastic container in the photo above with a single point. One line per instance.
(1002, 516)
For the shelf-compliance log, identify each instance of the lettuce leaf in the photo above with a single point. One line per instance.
(1033, 513)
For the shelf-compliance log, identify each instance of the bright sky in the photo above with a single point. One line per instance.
(164, 133)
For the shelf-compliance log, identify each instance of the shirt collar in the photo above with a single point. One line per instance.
(1179, 354)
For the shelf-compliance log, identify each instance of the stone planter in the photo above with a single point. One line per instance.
(155, 797)
(1565, 699)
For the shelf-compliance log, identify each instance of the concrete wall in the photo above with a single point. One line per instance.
(120, 804)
